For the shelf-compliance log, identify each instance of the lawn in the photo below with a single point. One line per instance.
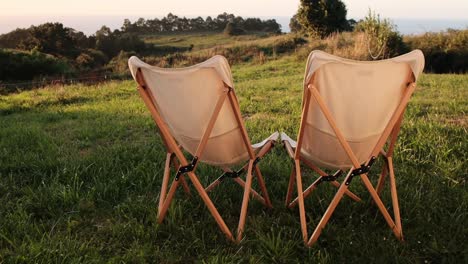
(81, 168)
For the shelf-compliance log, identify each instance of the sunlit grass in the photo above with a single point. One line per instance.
(199, 40)
(81, 168)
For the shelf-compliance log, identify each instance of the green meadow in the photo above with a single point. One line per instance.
(200, 40)
(81, 169)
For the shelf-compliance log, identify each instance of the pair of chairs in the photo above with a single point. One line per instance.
(351, 115)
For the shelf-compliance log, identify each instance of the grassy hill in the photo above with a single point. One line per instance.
(81, 168)
(199, 40)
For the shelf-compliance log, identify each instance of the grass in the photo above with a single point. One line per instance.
(199, 40)
(81, 168)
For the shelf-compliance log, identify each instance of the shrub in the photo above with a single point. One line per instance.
(382, 39)
(347, 45)
(91, 59)
(445, 52)
(84, 61)
(119, 64)
(21, 65)
(288, 44)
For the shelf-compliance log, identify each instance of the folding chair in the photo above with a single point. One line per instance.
(350, 111)
(196, 110)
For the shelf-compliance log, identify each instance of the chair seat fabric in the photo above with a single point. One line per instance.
(361, 96)
(186, 98)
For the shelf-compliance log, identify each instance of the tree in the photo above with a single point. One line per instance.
(210, 24)
(223, 19)
(322, 17)
(127, 25)
(105, 41)
(294, 25)
(232, 29)
(13, 39)
(53, 38)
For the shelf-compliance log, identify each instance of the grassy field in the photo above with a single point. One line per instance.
(199, 40)
(81, 168)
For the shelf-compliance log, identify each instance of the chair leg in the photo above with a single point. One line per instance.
(306, 193)
(395, 205)
(383, 176)
(263, 188)
(328, 213)
(314, 185)
(347, 191)
(212, 185)
(245, 202)
(290, 186)
(334, 183)
(165, 182)
(379, 204)
(185, 186)
(214, 212)
(300, 196)
(170, 195)
(255, 194)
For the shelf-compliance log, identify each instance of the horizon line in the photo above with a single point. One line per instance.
(203, 16)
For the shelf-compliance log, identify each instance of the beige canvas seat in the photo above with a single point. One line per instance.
(351, 114)
(196, 110)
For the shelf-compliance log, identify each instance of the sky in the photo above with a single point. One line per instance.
(23, 13)
(453, 9)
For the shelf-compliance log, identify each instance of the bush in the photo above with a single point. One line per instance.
(84, 61)
(382, 38)
(445, 52)
(91, 59)
(119, 64)
(287, 44)
(20, 65)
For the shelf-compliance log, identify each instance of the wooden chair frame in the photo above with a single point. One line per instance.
(390, 133)
(179, 162)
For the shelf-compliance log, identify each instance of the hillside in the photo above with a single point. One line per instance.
(444, 52)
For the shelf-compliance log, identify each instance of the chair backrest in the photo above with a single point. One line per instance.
(186, 97)
(361, 96)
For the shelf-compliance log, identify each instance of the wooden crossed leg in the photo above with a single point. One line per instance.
(184, 168)
(361, 170)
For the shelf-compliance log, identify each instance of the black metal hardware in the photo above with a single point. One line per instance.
(187, 168)
(235, 174)
(330, 177)
(231, 174)
(361, 170)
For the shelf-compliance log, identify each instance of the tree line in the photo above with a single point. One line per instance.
(73, 51)
(173, 23)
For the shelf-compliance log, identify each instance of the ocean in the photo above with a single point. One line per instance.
(90, 24)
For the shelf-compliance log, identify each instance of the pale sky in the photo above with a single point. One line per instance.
(433, 9)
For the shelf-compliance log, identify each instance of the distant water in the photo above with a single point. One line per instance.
(90, 24)
(420, 26)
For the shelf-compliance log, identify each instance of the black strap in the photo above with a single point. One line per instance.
(361, 170)
(187, 168)
(330, 177)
